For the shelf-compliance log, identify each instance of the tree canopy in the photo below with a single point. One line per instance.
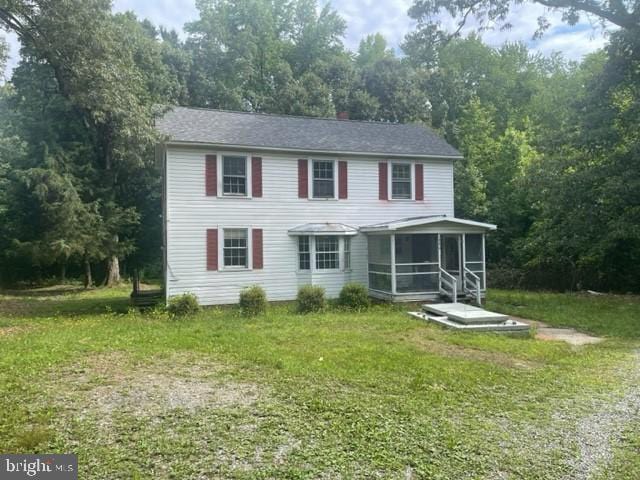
(551, 147)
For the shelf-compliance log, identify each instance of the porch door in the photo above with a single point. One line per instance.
(451, 255)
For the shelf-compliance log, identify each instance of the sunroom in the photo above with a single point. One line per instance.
(427, 258)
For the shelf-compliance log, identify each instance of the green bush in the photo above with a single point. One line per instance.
(183, 305)
(310, 299)
(253, 301)
(354, 296)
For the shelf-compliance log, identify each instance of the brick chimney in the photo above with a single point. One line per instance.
(342, 115)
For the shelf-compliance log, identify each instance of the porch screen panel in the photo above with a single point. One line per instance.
(379, 247)
(473, 255)
(417, 263)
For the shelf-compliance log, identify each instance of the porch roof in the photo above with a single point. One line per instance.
(323, 229)
(422, 221)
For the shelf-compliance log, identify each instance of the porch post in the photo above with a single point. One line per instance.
(439, 262)
(484, 264)
(464, 257)
(393, 264)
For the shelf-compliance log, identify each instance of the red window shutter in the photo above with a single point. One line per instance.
(383, 185)
(303, 178)
(342, 182)
(419, 174)
(256, 176)
(212, 249)
(211, 175)
(256, 240)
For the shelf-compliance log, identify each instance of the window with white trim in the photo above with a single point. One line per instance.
(401, 181)
(347, 253)
(323, 184)
(304, 253)
(236, 248)
(327, 253)
(234, 175)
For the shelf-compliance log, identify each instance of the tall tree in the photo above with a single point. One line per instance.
(108, 69)
(622, 13)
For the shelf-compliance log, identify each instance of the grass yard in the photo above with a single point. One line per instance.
(335, 395)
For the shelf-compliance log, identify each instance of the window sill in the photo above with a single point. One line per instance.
(235, 269)
(323, 199)
(229, 195)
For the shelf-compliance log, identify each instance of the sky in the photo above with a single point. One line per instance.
(389, 17)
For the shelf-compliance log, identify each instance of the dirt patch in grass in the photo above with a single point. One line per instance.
(13, 330)
(110, 384)
(439, 347)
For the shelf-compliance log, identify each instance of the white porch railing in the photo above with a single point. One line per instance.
(471, 285)
(448, 285)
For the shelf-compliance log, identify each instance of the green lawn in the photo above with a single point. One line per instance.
(369, 395)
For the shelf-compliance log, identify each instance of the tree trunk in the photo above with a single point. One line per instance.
(63, 272)
(88, 281)
(136, 281)
(113, 272)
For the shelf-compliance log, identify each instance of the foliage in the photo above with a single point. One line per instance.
(253, 301)
(183, 305)
(550, 147)
(488, 13)
(354, 296)
(310, 299)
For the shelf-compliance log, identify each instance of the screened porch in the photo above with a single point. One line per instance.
(427, 260)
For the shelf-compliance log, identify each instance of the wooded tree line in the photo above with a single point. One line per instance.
(552, 147)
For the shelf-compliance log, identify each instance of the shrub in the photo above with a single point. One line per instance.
(253, 301)
(310, 299)
(183, 305)
(354, 296)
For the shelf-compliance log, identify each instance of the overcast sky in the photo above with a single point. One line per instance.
(389, 17)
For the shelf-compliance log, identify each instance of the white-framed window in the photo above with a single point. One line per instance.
(234, 175)
(401, 181)
(327, 252)
(347, 253)
(235, 248)
(323, 179)
(304, 253)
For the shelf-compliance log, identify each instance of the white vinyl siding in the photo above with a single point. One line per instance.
(189, 212)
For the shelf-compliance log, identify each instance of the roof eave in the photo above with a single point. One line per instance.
(182, 143)
(418, 223)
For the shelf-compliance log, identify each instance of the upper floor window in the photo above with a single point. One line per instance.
(235, 249)
(327, 253)
(323, 179)
(234, 175)
(401, 181)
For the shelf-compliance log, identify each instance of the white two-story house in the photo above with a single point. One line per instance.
(283, 201)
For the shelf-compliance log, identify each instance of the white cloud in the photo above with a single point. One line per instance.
(389, 17)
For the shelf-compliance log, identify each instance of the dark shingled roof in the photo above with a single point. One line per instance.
(309, 134)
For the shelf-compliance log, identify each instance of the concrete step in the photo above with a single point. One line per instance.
(508, 326)
(465, 314)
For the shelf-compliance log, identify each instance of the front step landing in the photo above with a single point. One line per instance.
(463, 313)
(466, 317)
